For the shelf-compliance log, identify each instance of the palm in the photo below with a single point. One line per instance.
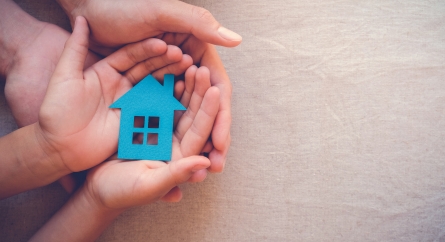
(32, 69)
(89, 126)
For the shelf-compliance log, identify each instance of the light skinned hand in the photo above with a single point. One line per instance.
(36, 48)
(75, 120)
(192, 28)
(205, 54)
(115, 23)
(39, 47)
(121, 184)
(31, 70)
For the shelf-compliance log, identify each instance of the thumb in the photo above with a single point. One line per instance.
(72, 60)
(180, 17)
(178, 172)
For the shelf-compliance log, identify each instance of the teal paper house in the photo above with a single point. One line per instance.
(147, 110)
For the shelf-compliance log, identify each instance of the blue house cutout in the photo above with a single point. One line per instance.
(147, 110)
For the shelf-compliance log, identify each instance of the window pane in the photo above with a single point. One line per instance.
(137, 138)
(153, 122)
(139, 122)
(152, 139)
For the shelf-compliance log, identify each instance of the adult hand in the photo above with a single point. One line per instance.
(36, 48)
(205, 54)
(33, 65)
(77, 125)
(115, 23)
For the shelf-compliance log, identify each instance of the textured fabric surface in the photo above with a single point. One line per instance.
(338, 130)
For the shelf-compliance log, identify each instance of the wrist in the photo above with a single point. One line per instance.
(92, 202)
(26, 162)
(50, 155)
(80, 219)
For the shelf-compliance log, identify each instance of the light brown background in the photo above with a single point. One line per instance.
(338, 130)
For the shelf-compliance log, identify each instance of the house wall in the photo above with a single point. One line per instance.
(128, 150)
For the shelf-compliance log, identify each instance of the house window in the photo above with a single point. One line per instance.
(137, 138)
(153, 122)
(152, 139)
(139, 121)
(145, 130)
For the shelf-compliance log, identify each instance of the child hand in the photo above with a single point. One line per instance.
(77, 127)
(121, 184)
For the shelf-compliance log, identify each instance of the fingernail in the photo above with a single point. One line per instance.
(229, 35)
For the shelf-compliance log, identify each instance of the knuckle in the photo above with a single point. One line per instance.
(131, 55)
(203, 14)
(149, 66)
(131, 78)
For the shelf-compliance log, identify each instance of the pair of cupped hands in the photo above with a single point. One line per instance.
(78, 130)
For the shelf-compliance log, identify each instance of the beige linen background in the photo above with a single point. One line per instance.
(338, 130)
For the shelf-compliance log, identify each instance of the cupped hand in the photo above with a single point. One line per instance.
(115, 23)
(205, 54)
(77, 126)
(121, 184)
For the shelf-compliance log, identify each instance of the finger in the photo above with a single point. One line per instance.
(200, 83)
(177, 172)
(198, 176)
(218, 158)
(141, 70)
(221, 136)
(73, 57)
(175, 69)
(173, 196)
(132, 54)
(179, 89)
(187, 92)
(199, 132)
(189, 85)
(221, 128)
(180, 17)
